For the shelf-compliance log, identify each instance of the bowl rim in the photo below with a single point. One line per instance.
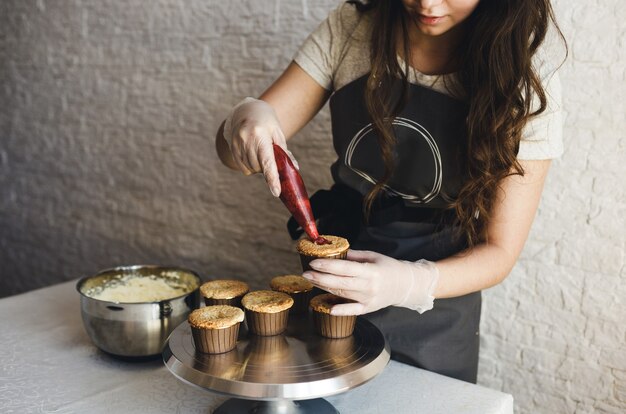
(83, 279)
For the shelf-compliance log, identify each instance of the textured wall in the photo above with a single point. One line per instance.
(108, 110)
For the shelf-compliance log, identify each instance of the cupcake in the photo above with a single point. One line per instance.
(337, 249)
(300, 289)
(327, 325)
(267, 311)
(215, 328)
(224, 292)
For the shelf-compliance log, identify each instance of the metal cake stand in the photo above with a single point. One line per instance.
(288, 373)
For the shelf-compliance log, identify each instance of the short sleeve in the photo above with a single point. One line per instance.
(321, 52)
(542, 137)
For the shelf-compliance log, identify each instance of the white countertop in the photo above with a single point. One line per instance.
(48, 364)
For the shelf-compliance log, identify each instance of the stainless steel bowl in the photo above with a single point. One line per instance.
(136, 329)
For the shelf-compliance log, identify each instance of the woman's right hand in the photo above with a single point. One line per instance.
(250, 130)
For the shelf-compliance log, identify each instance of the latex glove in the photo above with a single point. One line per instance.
(375, 281)
(250, 129)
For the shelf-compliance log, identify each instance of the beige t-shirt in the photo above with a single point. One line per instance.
(337, 53)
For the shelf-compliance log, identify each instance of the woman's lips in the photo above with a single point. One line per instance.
(429, 20)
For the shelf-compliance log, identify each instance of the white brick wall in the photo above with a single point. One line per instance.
(108, 110)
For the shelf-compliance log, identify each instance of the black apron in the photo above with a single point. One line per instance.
(408, 221)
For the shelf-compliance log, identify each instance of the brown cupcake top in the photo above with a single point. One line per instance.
(309, 248)
(291, 284)
(215, 317)
(267, 301)
(324, 303)
(224, 289)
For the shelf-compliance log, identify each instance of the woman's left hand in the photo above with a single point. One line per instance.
(375, 281)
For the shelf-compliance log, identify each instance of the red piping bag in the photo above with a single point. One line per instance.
(293, 195)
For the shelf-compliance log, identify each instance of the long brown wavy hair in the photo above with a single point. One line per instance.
(495, 74)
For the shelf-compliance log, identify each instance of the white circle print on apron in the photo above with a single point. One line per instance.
(418, 132)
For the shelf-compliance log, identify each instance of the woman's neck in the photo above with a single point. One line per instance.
(433, 55)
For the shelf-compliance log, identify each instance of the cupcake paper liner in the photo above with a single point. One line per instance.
(236, 301)
(305, 259)
(330, 326)
(215, 341)
(300, 302)
(267, 324)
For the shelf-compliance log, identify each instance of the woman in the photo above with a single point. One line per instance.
(444, 121)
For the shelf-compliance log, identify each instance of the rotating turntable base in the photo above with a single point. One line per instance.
(286, 373)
